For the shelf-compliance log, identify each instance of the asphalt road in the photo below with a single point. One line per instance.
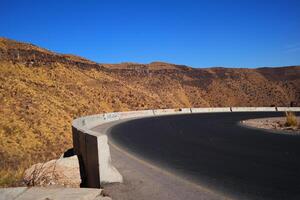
(214, 151)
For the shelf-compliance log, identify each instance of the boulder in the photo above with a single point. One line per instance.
(63, 171)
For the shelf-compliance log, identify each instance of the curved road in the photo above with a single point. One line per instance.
(214, 151)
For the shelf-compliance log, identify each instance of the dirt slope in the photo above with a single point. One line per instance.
(42, 91)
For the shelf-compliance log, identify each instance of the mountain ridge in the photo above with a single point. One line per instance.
(10, 44)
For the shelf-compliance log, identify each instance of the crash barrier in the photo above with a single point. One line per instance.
(92, 147)
(253, 109)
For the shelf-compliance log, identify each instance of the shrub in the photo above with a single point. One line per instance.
(291, 119)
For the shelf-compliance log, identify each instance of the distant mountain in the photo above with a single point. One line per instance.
(42, 91)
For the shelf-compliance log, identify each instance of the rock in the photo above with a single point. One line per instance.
(64, 171)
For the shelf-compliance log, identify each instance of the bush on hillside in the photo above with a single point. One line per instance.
(291, 119)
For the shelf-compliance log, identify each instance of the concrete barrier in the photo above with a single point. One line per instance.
(253, 109)
(92, 147)
(93, 151)
(172, 111)
(138, 113)
(205, 110)
(108, 117)
(91, 120)
(293, 109)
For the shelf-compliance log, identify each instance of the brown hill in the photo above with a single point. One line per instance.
(42, 91)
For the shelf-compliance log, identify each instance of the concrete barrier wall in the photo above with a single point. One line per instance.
(253, 109)
(84, 144)
(133, 114)
(92, 120)
(111, 116)
(93, 150)
(205, 110)
(172, 111)
(294, 109)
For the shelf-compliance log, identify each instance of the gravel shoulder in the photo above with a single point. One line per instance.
(275, 124)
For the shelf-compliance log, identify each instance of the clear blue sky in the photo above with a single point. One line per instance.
(229, 33)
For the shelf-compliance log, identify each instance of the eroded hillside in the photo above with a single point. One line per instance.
(42, 91)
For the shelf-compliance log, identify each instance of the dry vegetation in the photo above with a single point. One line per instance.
(291, 119)
(41, 92)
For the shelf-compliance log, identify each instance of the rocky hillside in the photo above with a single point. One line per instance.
(42, 91)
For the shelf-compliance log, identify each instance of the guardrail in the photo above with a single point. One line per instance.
(92, 147)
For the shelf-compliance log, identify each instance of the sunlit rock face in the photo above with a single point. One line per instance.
(63, 171)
